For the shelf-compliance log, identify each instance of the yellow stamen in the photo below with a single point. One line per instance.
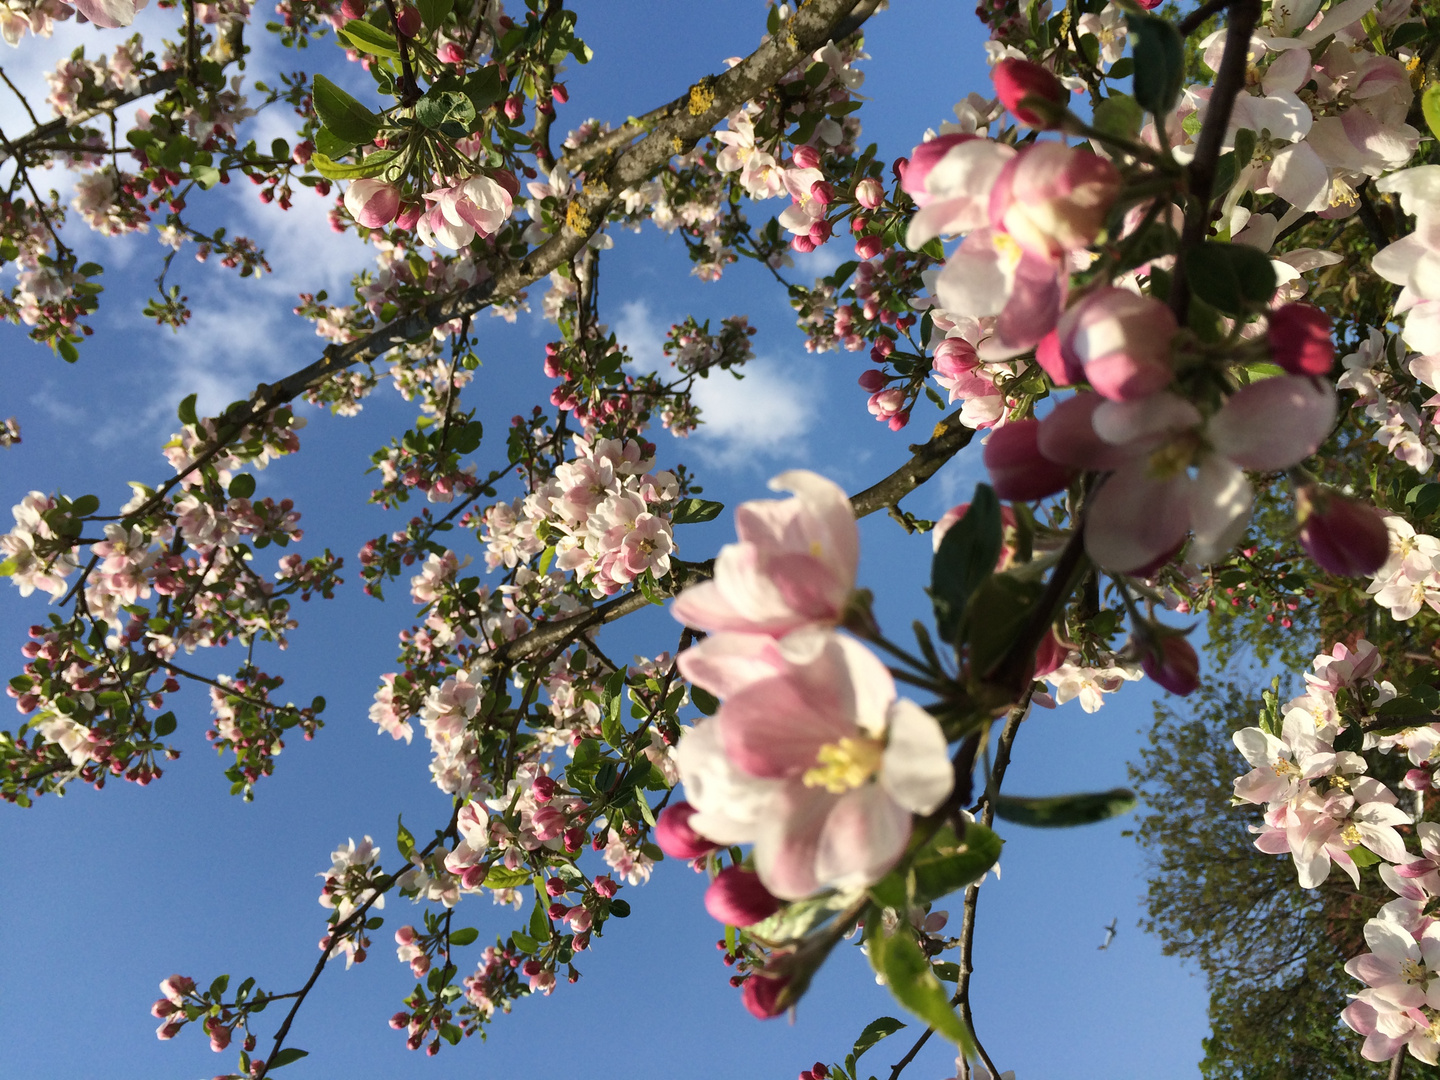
(1008, 250)
(845, 764)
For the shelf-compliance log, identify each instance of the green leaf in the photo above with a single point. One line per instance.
(1430, 105)
(242, 486)
(500, 877)
(164, 724)
(690, 511)
(466, 439)
(1119, 115)
(705, 701)
(288, 1056)
(874, 1032)
(219, 986)
(1231, 278)
(1425, 498)
(342, 114)
(967, 556)
(539, 922)
(898, 958)
(434, 12)
(372, 165)
(523, 942)
(1060, 811)
(369, 38)
(620, 908)
(329, 145)
(997, 613)
(464, 936)
(207, 176)
(947, 863)
(450, 1033)
(1159, 63)
(405, 840)
(1363, 856)
(438, 108)
(84, 505)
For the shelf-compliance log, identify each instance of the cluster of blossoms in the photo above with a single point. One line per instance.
(1322, 809)
(1410, 578)
(604, 513)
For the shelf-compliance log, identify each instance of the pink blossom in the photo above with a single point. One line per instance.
(794, 564)
(1300, 339)
(738, 898)
(820, 765)
(1052, 199)
(675, 836)
(1344, 536)
(1019, 472)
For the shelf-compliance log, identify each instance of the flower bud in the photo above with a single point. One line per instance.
(872, 381)
(450, 53)
(559, 93)
(1122, 342)
(1050, 654)
(1300, 339)
(514, 108)
(1019, 472)
(543, 788)
(675, 836)
(605, 887)
(1171, 661)
(887, 403)
(408, 22)
(761, 995)
(400, 1021)
(1016, 80)
(405, 935)
(555, 887)
(353, 9)
(802, 244)
(738, 898)
(823, 192)
(302, 153)
(372, 203)
(1344, 536)
(168, 1031)
(867, 247)
(954, 357)
(806, 157)
(869, 193)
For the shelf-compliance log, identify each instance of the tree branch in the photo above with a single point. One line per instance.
(1229, 81)
(151, 84)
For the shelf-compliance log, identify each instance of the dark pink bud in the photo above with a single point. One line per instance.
(738, 898)
(872, 382)
(574, 839)
(353, 9)
(555, 887)
(954, 357)
(514, 108)
(1344, 536)
(823, 192)
(802, 244)
(1171, 662)
(867, 247)
(168, 1031)
(450, 53)
(605, 887)
(408, 22)
(1300, 339)
(302, 152)
(544, 789)
(409, 215)
(1018, 471)
(559, 93)
(400, 1021)
(405, 935)
(806, 157)
(506, 179)
(761, 996)
(162, 1008)
(675, 836)
(820, 232)
(1016, 80)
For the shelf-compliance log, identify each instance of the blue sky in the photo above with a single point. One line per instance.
(104, 894)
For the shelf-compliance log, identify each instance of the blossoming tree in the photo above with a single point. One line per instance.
(1124, 271)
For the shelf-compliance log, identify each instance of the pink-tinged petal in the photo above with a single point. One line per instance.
(1135, 518)
(1258, 747)
(1299, 177)
(789, 838)
(1260, 786)
(1273, 842)
(1067, 436)
(829, 518)
(1390, 943)
(864, 836)
(1220, 501)
(1275, 423)
(812, 589)
(1312, 868)
(729, 806)
(1370, 970)
(916, 768)
(1146, 422)
(976, 280)
(1037, 297)
(1359, 1016)
(775, 728)
(110, 14)
(725, 663)
(870, 689)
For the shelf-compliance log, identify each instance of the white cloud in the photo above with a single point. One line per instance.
(764, 415)
(824, 260)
